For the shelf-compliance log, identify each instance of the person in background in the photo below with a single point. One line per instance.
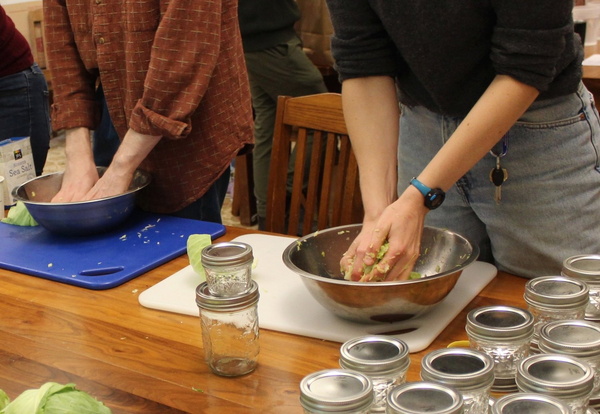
(276, 65)
(492, 112)
(24, 96)
(176, 88)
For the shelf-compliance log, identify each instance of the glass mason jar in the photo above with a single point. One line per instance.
(230, 330)
(586, 267)
(562, 376)
(469, 371)
(551, 298)
(504, 333)
(424, 397)
(383, 359)
(529, 403)
(228, 267)
(578, 338)
(336, 391)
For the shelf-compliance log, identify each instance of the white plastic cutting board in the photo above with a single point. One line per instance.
(285, 304)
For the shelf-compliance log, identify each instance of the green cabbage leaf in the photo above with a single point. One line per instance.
(54, 398)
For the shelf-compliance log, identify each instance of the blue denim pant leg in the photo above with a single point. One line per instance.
(25, 111)
(550, 207)
(106, 140)
(208, 207)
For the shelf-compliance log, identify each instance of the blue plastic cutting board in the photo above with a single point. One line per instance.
(102, 261)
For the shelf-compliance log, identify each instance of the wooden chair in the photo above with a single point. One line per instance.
(326, 193)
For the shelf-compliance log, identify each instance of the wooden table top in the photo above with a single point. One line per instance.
(139, 360)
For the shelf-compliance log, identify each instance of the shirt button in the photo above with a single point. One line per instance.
(98, 1)
(101, 41)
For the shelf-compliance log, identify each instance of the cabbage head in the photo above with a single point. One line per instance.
(53, 398)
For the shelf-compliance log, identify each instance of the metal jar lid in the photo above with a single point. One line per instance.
(529, 403)
(463, 368)
(227, 254)
(374, 355)
(556, 292)
(584, 266)
(424, 397)
(500, 322)
(561, 376)
(574, 337)
(336, 390)
(206, 300)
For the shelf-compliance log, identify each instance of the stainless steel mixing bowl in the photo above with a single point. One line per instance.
(316, 258)
(77, 218)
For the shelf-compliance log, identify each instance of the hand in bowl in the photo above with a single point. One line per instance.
(401, 225)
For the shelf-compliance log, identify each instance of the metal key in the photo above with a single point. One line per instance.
(498, 175)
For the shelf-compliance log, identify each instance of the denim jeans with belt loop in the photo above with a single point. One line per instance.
(25, 111)
(550, 205)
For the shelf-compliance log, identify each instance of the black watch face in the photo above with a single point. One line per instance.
(434, 198)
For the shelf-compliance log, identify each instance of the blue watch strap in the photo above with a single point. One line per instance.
(420, 186)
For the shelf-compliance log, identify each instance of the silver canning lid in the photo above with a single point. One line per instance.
(463, 368)
(556, 291)
(584, 266)
(336, 390)
(562, 376)
(227, 254)
(374, 355)
(424, 397)
(530, 403)
(575, 337)
(205, 300)
(500, 322)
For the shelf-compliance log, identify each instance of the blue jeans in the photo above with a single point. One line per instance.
(25, 112)
(106, 140)
(550, 207)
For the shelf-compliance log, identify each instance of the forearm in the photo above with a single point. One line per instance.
(371, 112)
(504, 101)
(134, 148)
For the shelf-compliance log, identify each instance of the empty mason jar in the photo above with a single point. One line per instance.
(578, 338)
(336, 391)
(529, 403)
(504, 333)
(562, 376)
(230, 330)
(228, 267)
(551, 298)
(424, 397)
(469, 371)
(586, 267)
(383, 359)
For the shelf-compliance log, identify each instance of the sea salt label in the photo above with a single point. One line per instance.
(16, 165)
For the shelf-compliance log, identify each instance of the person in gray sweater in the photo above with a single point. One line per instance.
(277, 65)
(476, 104)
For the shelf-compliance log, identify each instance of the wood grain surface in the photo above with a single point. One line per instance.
(139, 360)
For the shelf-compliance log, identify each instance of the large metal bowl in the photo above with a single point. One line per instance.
(316, 258)
(77, 218)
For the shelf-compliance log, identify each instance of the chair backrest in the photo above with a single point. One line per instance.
(325, 193)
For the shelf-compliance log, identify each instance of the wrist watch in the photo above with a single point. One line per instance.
(434, 197)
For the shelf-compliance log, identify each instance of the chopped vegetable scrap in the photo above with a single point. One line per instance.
(195, 244)
(18, 215)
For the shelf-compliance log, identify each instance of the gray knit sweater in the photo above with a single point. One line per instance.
(444, 53)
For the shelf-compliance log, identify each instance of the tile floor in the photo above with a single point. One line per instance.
(56, 162)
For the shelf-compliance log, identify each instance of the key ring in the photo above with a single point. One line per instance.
(504, 148)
